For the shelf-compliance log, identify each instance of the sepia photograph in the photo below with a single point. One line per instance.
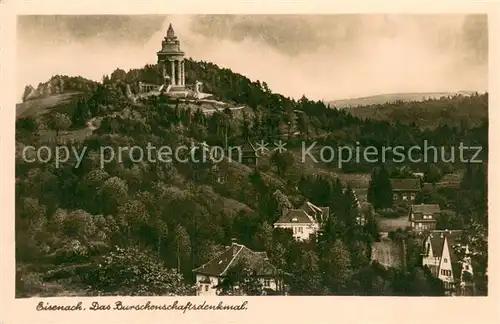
(251, 155)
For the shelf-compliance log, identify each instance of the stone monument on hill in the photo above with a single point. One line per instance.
(171, 62)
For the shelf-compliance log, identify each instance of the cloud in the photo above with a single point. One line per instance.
(323, 57)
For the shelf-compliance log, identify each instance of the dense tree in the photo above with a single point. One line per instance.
(81, 113)
(59, 122)
(282, 161)
(306, 276)
(337, 267)
(241, 279)
(182, 244)
(140, 274)
(380, 190)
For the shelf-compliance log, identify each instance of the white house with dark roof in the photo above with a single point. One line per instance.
(423, 217)
(210, 275)
(304, 221)
(301, 223)
(440, 257)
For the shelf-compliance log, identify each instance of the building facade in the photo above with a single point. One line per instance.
(405, 189)
(210, 276)
(440, 257)
(304, 222)
(171, 61)
(249, 154)
(423, 217)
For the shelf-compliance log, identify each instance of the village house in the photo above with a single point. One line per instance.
(211, 274)
(304, 221)
(440, 257)
(405, 189)
(248, 154)
(423, 217)
(301, 224)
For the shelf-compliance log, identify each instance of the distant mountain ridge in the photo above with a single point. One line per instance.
(425, 109)
(393, 97)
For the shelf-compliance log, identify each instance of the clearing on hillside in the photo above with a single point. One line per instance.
(391, 224)
(40, 106)
(387, 253)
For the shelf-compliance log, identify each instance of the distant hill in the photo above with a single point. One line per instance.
(426, 110)
(393, 97)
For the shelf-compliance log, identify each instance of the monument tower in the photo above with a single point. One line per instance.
(171, 61)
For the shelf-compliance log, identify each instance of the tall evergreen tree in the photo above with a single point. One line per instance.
(380, 189)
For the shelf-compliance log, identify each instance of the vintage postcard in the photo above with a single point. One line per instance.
(246, 165)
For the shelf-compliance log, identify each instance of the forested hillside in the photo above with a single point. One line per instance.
(456, 109)
(153, 222)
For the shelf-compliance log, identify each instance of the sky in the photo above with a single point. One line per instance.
(324, 57)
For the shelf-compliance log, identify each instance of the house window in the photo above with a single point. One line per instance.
(206, 287)
(412, 196)
(267, 283)
(405, 197)
(301, 230)
(466, 267)
(395, 197)
(445, 260)
(445, 272)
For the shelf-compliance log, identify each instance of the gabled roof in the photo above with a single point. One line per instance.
(325, 211)
(437, 243)
(419, 211)
(298, 216)
(234, 255)
(248, 147)
(426, 208)
(311, 209)
(405, 184)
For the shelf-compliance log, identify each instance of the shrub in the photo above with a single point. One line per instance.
(388, 213)
(134, 272)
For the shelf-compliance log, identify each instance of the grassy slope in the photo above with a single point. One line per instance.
(58, 102)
